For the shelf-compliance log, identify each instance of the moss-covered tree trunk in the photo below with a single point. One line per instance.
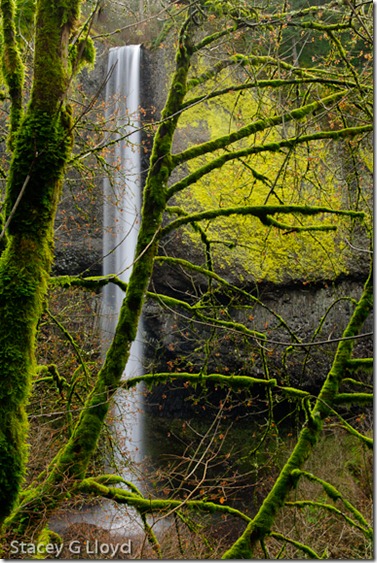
(70, 465)
(42, 143)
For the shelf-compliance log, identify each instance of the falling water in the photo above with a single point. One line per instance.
(122, 203)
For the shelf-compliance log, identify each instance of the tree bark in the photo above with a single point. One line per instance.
(42, 144)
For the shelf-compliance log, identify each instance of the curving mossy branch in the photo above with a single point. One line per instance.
(268, 147)
(355, 399)
(264, 213)
(299, 545)
(335, 495)
(149, 506)
(210, 73)
(256, 127)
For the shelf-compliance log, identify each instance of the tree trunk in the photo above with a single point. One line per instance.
(42, 144)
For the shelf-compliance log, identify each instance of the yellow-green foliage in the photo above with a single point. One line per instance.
(298, 176)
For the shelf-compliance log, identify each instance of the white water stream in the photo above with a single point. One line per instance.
(122, 204)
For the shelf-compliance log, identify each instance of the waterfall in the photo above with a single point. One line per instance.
(122, 203)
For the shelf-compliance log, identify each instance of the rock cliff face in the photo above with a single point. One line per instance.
(173, 339)
(79, 223)
(316, 313)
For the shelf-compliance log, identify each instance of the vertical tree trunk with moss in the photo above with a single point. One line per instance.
(42, 143)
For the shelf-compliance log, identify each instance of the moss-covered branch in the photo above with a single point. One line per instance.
(211, 72)
(320, 26)
(271, 222)
(360, 400)
(231, 381)
(52, 375)
(335, 495)
(329, 10)
(235, 382)
(255, 127)
(354, 399)
(212, 38)
(351, 381)
(301, 546)
(92, 283)
(263, 213)
(148, 506)
(343, 354)
(355, 364)
(268, 147)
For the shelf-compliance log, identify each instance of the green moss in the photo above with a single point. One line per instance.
(301, 546)
(82, 53)
(46, 537)
(260, 252)
(149, 506)
(23, 284)
(13, 68)
(41, 149)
